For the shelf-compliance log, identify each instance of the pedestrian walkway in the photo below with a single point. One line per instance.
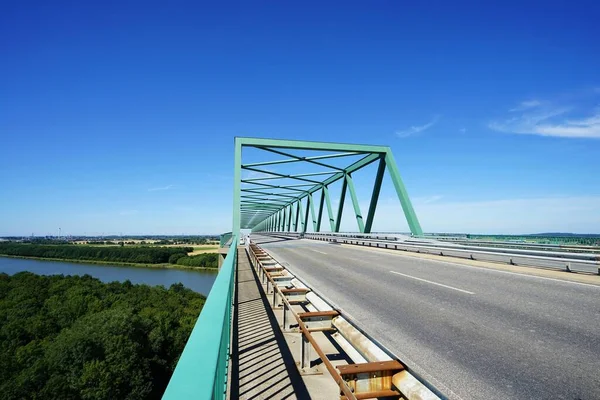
(262, 365)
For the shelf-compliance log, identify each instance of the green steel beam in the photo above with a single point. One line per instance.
(329, 209)
(274, 186)
(237, 176)
(289, 176)
(359, 218)
(312, 212)
(372, 154)
(256, 191)
(341, 206)
(297, 216)
(301, 158)
(278, 174)
(305, 217)
(301, 216)
(290, 160)
(306, 145)
(375, 195)
(409, 212)
(289, 224)
(321, 203)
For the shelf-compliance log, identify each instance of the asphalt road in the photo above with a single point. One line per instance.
(475, 333)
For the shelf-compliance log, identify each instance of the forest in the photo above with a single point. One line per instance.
(74, 337)
(206, 260)
(142, 255)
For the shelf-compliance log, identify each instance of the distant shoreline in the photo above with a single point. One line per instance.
(115, 263)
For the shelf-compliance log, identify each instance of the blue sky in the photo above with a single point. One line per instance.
(119, 117)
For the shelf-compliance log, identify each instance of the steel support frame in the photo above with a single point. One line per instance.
(264, 206)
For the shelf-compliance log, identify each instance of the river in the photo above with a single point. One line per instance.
(199, 281)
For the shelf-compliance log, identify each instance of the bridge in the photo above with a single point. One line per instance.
(300, 309)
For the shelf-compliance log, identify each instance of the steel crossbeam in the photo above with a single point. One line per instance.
(278, 204)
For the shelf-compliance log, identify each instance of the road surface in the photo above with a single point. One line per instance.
(475, 333)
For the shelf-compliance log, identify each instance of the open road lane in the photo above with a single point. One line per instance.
(475, 333)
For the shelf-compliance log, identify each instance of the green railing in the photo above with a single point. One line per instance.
(225, 238)
(201, 372)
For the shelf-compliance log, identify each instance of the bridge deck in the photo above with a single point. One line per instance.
(262, 366)
(476, 333)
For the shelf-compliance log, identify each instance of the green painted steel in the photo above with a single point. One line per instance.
(338, 221)
(301, 216)
(201, 372)
(375, 194)
(224, 239)
(409, 212)
(329, 209)
(312, 212)
(273, 200)
(237, 177)
(320, 216)
(358, 214)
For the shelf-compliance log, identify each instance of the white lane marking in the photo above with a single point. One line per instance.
(433, 283)
(482, 268)
(317, 251)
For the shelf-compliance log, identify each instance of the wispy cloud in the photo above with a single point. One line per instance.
(432, 199)
(525, 105)
(413, 130)
(462, 130)
(161, 188)
(545, 119)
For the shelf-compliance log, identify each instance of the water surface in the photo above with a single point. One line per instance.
(199, 281)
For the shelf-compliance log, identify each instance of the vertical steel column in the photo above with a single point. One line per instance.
(289, 210)
(298, 212)
(303, 217)
(312, 212)
(359, 218)
(237, 176)
(407, 207)
(306, 215)
(294, 218)
(320, 217)
(375, 195)
(329, 209)
(341, 206)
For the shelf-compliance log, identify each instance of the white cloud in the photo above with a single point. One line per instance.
(462, 130)
(544, 120)
(161, 188)
(413, 130)
(526, 105)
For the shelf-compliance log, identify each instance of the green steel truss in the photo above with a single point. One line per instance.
(270, 199)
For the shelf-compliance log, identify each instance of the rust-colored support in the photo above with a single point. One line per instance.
(318, 320)
(371, 380)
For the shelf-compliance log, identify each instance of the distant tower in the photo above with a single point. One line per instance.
(59, 232)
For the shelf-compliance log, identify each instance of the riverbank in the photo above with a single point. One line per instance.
(115, 263)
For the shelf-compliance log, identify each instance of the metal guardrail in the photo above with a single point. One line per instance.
(570, 262)
(201, 372)
(255, 253)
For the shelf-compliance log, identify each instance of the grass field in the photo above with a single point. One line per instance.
(204, 249)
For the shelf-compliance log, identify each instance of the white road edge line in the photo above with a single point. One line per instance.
(433, 283)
